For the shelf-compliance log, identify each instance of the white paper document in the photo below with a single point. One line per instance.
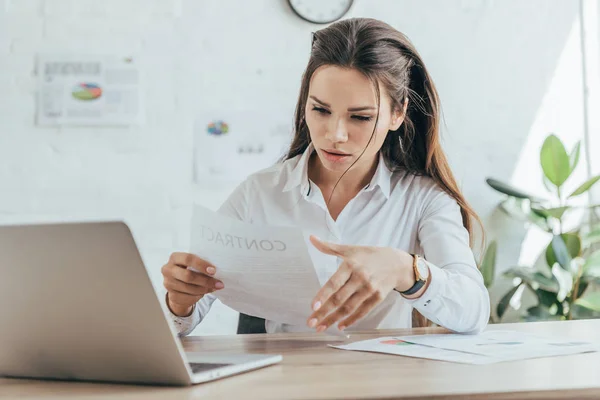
(485, 348)
(393, 345)
(88, 90)
(267, 271)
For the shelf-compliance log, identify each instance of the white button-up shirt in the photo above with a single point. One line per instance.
(399, 210)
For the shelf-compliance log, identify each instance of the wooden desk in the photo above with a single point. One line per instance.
(310, 370)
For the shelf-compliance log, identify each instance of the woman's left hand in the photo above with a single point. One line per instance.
(365, 277)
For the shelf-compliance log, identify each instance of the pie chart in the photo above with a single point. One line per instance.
(86, 91)
(217, 128)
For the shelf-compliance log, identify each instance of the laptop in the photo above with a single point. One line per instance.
(76, 303)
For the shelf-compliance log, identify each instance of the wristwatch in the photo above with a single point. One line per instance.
(421, 271)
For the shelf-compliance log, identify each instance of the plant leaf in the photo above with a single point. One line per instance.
(592, 264)
(505, 301)
(591, 301)
(510, 190)
(540, 212)
(546, 298)
(540, 220)
(569, 246)
(488, 265)
(574, 156)
(533, 278)
(565, 282)
(561, 252)
(585, 186)
(541, 313)
(583, 285)
(587, 279)
(519, 208)
(550, 212)
(591, 238)
(579, 312)
(555, 161)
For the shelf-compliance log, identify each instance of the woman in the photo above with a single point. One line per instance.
(366, 174)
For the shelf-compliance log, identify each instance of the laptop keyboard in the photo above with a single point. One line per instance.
(201, 367)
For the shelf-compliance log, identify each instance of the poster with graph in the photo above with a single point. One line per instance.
(86, 90)
(230, 144)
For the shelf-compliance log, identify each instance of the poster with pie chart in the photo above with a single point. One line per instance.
(89, 90)
(230, 144)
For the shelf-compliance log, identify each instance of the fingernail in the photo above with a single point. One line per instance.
(312, 322)
(219, 285)
(317, 305)
(211, 270)
(321, 328)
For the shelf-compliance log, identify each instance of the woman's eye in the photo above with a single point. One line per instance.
(362, 118)
(320, 110)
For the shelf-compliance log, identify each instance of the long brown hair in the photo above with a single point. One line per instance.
(387, 57)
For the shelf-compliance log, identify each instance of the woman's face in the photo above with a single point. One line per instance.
(340, 113)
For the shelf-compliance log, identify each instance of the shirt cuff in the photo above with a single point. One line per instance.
(430, 303)
(184, 325)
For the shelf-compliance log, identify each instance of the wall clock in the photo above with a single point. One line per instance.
(320, 11)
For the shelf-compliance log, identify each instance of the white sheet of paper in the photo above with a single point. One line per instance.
(505, 345)
(392, 345)
(267, 271)
(486, 348)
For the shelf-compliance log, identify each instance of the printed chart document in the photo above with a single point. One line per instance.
(267, 271)
(88, 90)
(485, 348)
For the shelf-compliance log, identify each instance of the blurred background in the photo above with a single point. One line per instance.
(200, 93)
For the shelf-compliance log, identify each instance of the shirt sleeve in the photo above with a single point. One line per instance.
(456, 298)
(185, 325)
(236, 206)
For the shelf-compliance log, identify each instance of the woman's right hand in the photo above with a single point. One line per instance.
(184, 286)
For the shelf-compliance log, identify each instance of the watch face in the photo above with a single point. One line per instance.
(423, 268)
(320, 11)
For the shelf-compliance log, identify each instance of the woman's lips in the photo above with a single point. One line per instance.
(334, 156)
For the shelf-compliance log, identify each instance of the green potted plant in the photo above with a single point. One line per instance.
(563, 289)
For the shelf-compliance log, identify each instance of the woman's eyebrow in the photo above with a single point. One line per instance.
(319, 101)
(353, 109)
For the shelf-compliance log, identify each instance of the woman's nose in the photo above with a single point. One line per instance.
(337, 132)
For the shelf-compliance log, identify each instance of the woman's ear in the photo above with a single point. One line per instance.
(398, 116)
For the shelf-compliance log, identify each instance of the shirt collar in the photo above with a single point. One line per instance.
(298, 176)
(382, 178)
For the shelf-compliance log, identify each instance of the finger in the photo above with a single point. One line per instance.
(334, 284)
(195, 278)
(181, 298)
(351, 305)
(363, 310)
(337, 300)
(186, 288)
(190, 260)
(334, 249)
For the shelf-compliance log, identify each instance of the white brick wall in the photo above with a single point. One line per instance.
(493, 62)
